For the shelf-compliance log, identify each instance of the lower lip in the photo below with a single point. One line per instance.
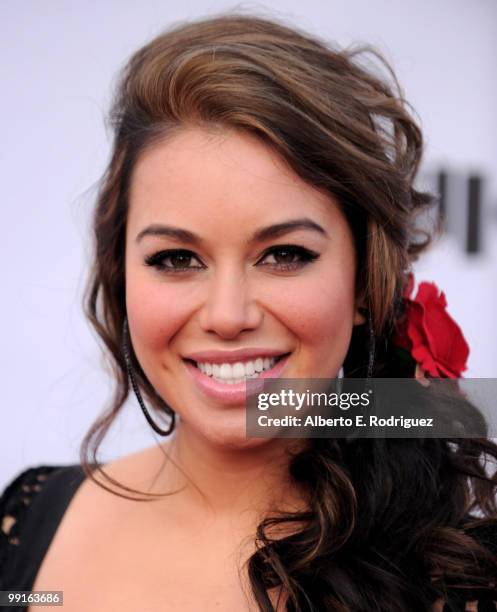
(225, 393)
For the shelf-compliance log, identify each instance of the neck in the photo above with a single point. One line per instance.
(224, 481)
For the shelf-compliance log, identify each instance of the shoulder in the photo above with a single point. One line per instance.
(31, 506)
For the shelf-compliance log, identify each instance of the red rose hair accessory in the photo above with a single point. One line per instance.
(431, 336)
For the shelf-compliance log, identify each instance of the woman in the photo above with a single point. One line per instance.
(258, 210)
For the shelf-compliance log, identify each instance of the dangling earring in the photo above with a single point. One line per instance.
(372, 346)
(129, 367)
(366, 312)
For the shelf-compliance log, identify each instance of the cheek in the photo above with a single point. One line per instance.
(156, 312)
(320, 313)
(321, 317)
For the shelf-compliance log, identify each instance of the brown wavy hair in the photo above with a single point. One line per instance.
(388, 525)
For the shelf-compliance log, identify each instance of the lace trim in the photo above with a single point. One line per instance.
(14, 502)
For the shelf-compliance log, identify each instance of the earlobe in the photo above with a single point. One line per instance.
(360, 314)
(359, 317)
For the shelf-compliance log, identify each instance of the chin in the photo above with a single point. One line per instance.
(226, 436)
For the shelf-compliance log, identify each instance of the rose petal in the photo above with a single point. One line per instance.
(429, 292)
(447, 344)
(433, 338)
(422, 355)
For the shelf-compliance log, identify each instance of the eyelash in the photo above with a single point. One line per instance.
(156, 260)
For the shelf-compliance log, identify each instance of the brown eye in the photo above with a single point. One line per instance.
(172, 261)
(179, 261)
(285, 255)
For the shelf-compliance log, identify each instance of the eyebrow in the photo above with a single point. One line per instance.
(264, 233)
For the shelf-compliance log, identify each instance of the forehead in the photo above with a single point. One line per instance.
(229, 178)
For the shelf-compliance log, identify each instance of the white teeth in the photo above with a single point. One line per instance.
(232, 373)
(250, 368)
(238, 370)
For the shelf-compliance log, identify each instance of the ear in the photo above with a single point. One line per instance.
(360, 313)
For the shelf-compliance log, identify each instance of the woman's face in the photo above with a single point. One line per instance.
(208, 270)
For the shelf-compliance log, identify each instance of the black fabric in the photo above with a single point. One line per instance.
(37, 499)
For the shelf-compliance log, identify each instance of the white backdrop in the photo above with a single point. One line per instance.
(58, 62)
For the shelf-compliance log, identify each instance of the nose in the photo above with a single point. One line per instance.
(229, 307)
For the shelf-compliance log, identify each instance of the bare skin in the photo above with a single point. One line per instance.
(180, 553)
(111, 553)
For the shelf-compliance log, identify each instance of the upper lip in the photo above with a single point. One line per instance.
(233, 356)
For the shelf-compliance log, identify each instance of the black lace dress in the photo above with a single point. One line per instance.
(32, 507)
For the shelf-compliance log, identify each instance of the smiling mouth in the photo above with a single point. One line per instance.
(225, 375)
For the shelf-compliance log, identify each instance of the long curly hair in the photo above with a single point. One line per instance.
(389, 521)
